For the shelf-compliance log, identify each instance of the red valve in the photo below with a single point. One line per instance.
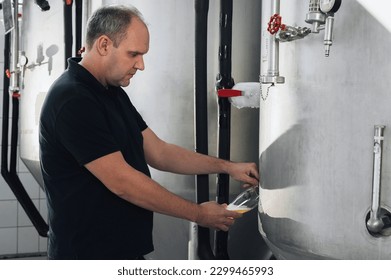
(16, 94)
(275, 24)
(82, 49)
(68, 2)
(228, 93)
(8, 73)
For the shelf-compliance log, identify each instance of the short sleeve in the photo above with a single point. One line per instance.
(82, 128)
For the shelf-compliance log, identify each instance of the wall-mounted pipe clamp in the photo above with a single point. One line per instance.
(375, 223)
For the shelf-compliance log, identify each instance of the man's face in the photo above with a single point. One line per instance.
(127, 58)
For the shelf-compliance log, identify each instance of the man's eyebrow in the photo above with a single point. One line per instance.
(135, 52)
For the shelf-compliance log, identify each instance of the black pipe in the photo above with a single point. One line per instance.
(10, 176)
(6, 82)
(68, 30)
(43, 4)
(204, 249)
(224, 81)
(78, 23)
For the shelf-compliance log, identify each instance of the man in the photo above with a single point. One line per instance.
(96, 148)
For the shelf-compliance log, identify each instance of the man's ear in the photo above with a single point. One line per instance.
(102, 44)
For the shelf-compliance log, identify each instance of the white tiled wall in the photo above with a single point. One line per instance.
(17, 234)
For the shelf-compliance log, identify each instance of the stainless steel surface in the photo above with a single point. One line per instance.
(164, 95)
(328, 35)
(291, 33)
(315, 16)
(316, 139)
(375, 223)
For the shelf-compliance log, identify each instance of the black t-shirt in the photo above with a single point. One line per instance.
(81, 121)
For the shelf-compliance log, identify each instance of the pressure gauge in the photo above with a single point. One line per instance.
(23, 60)
(330, 6)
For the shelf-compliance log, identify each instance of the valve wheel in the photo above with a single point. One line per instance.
(275, 24)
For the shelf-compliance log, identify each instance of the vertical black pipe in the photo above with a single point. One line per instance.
(68, 30)
(224, 81)
(5, 124)
(78, 23)
(10, 176)
(201, 116)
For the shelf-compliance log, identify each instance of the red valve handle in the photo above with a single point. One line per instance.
(82, 49)
(8, 73)
(275, 24)
(228, 93)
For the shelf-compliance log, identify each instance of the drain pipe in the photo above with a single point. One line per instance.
(10, 175)
(79, 26)
(223, 84)
(68, 30)
(203, 250)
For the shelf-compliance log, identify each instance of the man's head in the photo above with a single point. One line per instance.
(112, 21)
(117, 38)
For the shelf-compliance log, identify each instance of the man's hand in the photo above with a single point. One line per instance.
(244, 172)
(216, 216)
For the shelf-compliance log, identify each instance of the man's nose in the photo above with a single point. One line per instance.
(140, 64)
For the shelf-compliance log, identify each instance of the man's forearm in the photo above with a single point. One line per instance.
(182, 161)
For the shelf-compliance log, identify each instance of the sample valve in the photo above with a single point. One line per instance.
(329, 7)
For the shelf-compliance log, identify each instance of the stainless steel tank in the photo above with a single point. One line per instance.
(164, 95)
(317, 139)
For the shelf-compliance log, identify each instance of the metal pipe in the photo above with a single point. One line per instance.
(328, 35)
(15, 73)
(375, 223)
(270, 46)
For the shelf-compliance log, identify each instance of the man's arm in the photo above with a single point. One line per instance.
(137, 188)
(172, 158)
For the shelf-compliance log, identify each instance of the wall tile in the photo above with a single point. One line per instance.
(8, 241)
(27, 240)
(8, 213)
(43, 244)
(30, 184)
(5, 191)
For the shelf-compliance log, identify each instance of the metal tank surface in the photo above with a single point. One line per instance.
(164, 95)
(319, 147)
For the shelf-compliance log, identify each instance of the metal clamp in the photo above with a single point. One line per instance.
(375, 223)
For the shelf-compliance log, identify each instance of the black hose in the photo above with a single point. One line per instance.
(11, 176)
(5, 124)
(43, 4)
(68, 30)
(224, 81)
(201, 116)
(78, 23)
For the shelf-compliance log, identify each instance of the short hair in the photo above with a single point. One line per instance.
(112, 21)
